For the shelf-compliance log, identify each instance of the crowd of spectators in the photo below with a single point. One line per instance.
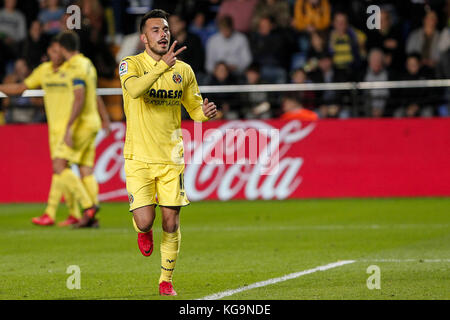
(254, 42)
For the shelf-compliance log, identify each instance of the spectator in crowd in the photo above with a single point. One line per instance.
(268, 47)
(222, 76)
(195, 55)
(256, 105)
(241, 11)
(318, 47)
(233, 33)
(345, 43)
(203, 28)
(444, 51)
(131, 44)
(92, 38)
(35, 46)
(278, 9)
(94, 17)
(389, 39)
(375, 100)
(22, 109)
(229, 46)
(444, 64)
(415, 101)
(329, 101)
(425, 40)
(50, 16)
(311, 15)
(305, 98)
(208, 8)
(292, 109)
(13, 30)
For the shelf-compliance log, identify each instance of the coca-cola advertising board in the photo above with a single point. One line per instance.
(256, 159)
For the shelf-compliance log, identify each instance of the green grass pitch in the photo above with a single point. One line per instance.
(228, 245)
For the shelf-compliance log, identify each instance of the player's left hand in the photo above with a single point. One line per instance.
(68, 138)
(209, 109)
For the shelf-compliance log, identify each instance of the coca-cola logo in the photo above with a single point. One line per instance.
(109, 166)
(238, 159)
(272, 175)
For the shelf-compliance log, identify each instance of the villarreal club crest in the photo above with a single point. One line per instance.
(177, 78)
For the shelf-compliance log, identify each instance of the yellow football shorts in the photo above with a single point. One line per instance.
(82, 152)
(54, 139)
(161, 184)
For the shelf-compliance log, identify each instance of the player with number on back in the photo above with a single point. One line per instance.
(154, 85)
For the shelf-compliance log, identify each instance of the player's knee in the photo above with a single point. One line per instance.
(144, 224)
(59, 166)
(86, 171)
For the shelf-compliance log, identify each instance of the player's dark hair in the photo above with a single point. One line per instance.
(69, 40)
(155, 13)
(53, 40)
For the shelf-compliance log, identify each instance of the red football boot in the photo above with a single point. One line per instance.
(70, 220)
(166, 289)
(145, 243)
(43, 220)
(88, 220)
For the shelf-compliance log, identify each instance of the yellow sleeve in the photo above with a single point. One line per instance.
(78, 75)
(192, 99)
(127, 70)
(137, 85)
(34, 80)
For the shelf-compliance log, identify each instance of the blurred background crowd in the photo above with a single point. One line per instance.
(251, 42)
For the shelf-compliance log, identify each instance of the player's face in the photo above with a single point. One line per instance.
(156, 36)
(55, 55)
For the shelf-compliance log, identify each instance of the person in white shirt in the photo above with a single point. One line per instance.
(229, 46)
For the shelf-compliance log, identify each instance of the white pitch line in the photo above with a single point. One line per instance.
(405, 260)
(290, 276)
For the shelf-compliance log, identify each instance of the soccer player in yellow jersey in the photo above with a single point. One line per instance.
(81, 128)
(58, 99)
(154, 85)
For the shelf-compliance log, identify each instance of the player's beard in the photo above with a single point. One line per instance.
(155, 47)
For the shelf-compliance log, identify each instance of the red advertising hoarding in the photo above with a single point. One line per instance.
(328, 158)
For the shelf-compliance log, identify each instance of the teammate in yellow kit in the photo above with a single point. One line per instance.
(154, 86)
(81, 128)
(58, 100)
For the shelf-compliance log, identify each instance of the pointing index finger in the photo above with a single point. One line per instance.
(180, 50)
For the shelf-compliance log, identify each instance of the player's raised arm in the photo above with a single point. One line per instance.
(137, 86)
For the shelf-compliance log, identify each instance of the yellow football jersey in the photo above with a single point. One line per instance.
(154, 119)
(58, 97)
(82, 72)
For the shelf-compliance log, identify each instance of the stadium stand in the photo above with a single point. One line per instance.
(413, 43)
